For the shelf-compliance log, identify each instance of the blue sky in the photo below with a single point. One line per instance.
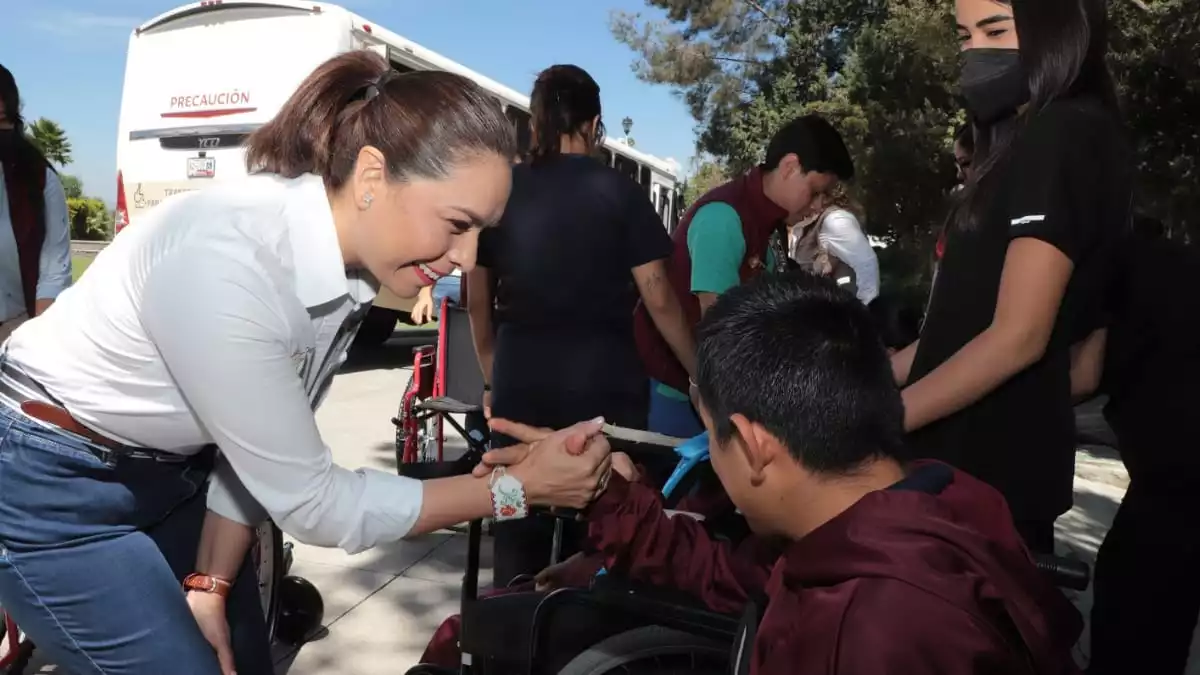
(69, 58)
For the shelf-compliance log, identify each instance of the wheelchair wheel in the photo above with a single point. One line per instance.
(652, 650)
(268, 555)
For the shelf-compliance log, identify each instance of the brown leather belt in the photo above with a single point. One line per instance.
(59, 417)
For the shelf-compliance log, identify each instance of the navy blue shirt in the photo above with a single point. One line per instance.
(562, 259)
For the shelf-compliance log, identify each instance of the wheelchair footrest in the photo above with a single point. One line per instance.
(447, 406)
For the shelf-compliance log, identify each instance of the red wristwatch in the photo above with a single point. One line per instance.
(204, 583)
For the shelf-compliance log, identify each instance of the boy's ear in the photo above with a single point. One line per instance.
(759, 446)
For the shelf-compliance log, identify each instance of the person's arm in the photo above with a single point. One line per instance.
(422, 311)
(54, 264)
(842, 235)
(1087, 364)
(1052, 219)
(902, 363)
(717, 247)
(477, 285)
(666, 312)
(628, 526)
(1032, 285)
(231, 356)
(647, 249)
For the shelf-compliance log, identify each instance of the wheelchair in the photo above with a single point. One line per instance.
(440, 388)
(292, 606)
(631, 628)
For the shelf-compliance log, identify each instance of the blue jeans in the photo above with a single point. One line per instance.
(92, 552)
(672, 415)
(447, 288)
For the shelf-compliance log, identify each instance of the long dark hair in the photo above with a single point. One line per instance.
(17, 153)
(1063, 44)
(564, 99)
(423, 122)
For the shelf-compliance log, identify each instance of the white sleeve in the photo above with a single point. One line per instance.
(54, 264)
(842, 236)
(216, 319)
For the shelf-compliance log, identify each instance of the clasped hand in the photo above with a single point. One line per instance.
(565, 469)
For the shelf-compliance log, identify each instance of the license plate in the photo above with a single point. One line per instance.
(202, 167)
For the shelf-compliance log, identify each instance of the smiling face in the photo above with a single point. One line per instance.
(410, 234)
(985, 24)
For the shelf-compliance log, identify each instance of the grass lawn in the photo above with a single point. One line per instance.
(79, 263)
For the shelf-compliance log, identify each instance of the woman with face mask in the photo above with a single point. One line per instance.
(204, 337)
(1027, 252)
(552, 299)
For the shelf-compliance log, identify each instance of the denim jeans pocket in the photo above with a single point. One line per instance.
(55, 488)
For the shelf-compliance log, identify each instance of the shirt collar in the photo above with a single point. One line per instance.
(320, 272)
(764, 210)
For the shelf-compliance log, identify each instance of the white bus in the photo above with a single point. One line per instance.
(200, 78)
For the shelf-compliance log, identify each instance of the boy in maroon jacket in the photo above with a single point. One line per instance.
(890, 568)
(886, 567)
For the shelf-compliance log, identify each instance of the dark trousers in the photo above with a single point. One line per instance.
(1147, 578)
(1038, 534)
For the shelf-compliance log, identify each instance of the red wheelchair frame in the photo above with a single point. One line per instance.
(439, 388)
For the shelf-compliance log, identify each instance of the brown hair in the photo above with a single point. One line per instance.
(840, 197)
(423, 122)
(565, 98)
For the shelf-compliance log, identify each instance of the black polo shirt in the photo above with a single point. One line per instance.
(561, 258)
(1066, 181)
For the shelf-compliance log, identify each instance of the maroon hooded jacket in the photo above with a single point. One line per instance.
(760, 219)
(904, 581)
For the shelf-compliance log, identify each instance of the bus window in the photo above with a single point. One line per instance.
(520, 121)
(644, 178)
(627, 167)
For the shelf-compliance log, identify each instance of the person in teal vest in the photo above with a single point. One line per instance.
(731, 235)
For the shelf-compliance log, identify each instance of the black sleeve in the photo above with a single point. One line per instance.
(1059, 179)
(646, 238)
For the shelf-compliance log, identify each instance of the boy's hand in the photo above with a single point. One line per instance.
(550, 578)
(623, 464)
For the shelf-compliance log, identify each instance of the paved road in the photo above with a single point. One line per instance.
(382, 605)
(81, 247)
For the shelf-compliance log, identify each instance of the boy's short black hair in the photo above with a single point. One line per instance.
(802, 358)
(817, 145)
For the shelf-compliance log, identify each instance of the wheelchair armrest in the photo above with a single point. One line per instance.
(651, 607)
(1064, 572)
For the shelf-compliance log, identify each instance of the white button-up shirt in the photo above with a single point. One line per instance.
(54, 264)
(221, 318)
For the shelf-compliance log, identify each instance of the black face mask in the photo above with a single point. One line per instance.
(993, 83)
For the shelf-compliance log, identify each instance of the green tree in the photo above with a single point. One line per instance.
(89, 218)
(708, 175)
(1154, 62)
(50, 138)
(72, 186)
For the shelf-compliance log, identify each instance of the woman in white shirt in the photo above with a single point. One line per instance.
(840, 234)
(219, 320)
